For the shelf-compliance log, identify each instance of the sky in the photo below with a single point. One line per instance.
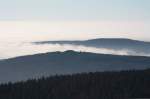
(33, 20)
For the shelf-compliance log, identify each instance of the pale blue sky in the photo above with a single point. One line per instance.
(92, 18)
(75, 9)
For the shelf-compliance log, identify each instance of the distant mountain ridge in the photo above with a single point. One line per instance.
(67, 62)
(109, 43)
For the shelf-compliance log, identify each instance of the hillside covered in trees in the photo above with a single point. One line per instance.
(97, 85)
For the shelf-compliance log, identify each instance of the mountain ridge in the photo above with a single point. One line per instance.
(133, 46)
(67, 62)
(125, 39)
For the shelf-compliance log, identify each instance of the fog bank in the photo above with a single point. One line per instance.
(14, 49)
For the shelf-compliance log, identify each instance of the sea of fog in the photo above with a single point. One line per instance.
(14, 49)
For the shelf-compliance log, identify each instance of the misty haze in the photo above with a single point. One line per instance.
(74, 49)
(20, 48)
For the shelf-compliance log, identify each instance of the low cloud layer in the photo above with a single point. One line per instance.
(9, 50)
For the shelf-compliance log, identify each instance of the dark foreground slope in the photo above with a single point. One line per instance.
(98, 85)
(68, 62)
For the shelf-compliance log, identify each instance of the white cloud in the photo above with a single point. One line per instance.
(8, 50)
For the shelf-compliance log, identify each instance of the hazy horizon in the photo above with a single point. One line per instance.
(24, 21)
(33, 20)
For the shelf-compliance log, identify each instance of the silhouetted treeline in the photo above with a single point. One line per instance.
(98, 85)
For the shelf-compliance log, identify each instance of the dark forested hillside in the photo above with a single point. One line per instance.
(98, 85)
(22, 68)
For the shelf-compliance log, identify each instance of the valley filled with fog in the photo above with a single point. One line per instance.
(14, 49)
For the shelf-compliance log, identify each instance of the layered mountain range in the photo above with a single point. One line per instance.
(133, 46)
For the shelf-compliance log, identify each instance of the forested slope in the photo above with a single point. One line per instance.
(98, 85)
